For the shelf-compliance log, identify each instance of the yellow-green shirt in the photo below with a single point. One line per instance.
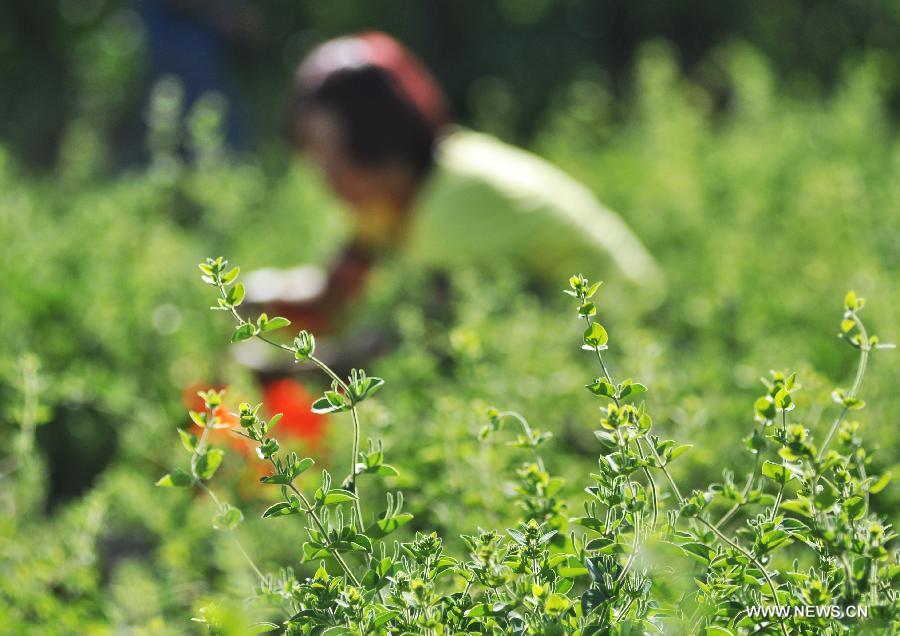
(486, 202)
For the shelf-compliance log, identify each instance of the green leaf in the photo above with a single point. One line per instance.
(591, 523)
(278, 478)
(209, 462)
(572, 572)
(229, 519)
(856, 507)
(774, 538)
(383, 527)
(272, 422)
(243, 332)
(235, 295)
(783, 400)
(276, 323)
(602, 388)
(826, 497)
(699, 551)
(631, 389)
(281, 509)
(776, 472)
(323, 406)
(556, 604)
(798, 506)
(374, 384)
(879, 485)
(337, 496)
(587, 309)
(361, 543)
(302, 466)
(603, 545)
(188, 440)
(382, 470)
(313, 550)
(595, 335)
(764, 408)
(593, 289)
(679, 450)
(229, 277)
(176, 479)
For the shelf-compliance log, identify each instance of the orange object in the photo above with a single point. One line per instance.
(299, 426)
(291, 398)
(279, 396)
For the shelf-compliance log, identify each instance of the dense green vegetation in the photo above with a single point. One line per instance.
(762, 216)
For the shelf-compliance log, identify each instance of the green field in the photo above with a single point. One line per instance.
(762, 213)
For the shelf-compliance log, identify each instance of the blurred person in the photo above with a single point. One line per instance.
(435, 195)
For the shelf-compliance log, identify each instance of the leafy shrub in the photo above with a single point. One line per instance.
(610, 575)
(759, 212)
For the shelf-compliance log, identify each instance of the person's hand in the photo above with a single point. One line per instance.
(296, 286)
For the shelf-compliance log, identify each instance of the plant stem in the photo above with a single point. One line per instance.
(198, 451)
(744, 492)
(24, 443)
(331, 374)
(526, 428)
(354, 456)
(784, 469)
(864, 349)
(752, 558)
(626, 608)
(357, 507)
(721, 535)
(634, 546)
(623, 445)
(652, 483)
(668, 475)
(240, 547)
(779, 497)
(615, 399)
(309, 510)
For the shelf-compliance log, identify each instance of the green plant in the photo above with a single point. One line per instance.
(609, 575)
(756, 190)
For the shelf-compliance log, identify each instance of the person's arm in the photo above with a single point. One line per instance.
(309, 297)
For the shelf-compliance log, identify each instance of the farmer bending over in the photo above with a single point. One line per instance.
(437, 196)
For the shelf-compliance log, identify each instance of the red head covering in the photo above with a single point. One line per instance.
(380, 50)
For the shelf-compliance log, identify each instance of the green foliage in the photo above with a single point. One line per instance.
(597, 579)
(760, 214)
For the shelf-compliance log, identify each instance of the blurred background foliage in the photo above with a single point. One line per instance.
(752, 146)
(503, 61)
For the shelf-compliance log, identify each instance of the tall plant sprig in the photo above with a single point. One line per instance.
(524, 584)
(343, 396)
(636, 424)
(831, 488)
(619, 416)
(328, 534)
(205, 460)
